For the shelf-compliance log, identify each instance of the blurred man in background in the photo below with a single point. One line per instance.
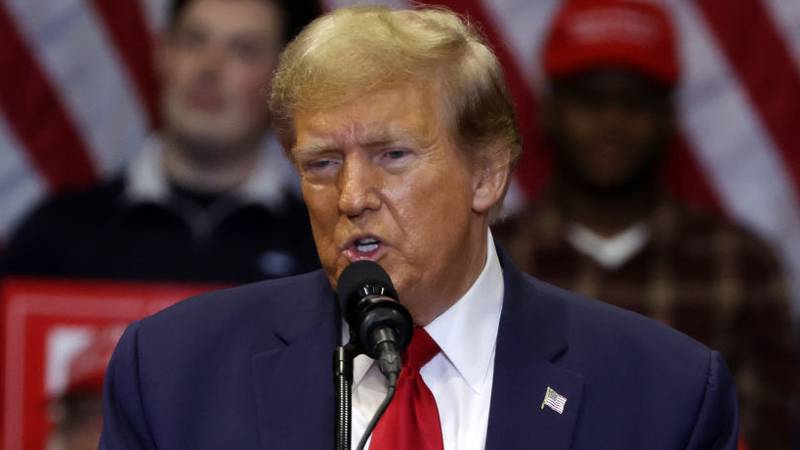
(203, 200)
(607, 229)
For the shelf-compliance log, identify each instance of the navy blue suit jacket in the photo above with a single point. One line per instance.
(251, 368)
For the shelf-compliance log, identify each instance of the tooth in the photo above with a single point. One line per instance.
(366, 248)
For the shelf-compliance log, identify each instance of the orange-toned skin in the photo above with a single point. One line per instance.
(385, 166)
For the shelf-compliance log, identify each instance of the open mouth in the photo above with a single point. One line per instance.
(367, 245)
(364, 248)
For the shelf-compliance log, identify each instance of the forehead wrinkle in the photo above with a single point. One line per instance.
(310, 150)
(359, 134)
(356, 125)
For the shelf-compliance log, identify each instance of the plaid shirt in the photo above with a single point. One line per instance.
(698, 273)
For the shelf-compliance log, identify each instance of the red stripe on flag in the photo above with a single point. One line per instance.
(36, 115)
(125, 24)
(534, 168)
(764, 65)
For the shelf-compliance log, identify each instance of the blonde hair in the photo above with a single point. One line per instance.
(355, 51)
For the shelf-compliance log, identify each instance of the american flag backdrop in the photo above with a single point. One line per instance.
(78, 97)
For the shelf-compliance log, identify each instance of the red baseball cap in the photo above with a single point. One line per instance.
(588, 34)
(87, 369)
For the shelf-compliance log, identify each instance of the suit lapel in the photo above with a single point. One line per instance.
(294, 387)
(294, 384)
(531, 337)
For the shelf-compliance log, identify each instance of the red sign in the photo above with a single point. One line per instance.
(45, 325)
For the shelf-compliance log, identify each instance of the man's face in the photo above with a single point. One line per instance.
(82, 424)
(215, 67)
(609, 128)
(383, 181)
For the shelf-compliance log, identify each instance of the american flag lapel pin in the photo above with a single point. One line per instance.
(554, 400)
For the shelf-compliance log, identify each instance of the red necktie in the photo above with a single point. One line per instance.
(412, 420)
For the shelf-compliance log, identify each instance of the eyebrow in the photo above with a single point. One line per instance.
(312, 149)
(378, 139)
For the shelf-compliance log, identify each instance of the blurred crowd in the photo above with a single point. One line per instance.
(211, 197)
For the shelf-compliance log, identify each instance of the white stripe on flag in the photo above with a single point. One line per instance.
(155, 14)
(785, 14)
(554, 400)
(21, 187)
(522, 25)
(74, 51)
(733, 145)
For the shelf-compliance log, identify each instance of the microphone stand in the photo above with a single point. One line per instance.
(343, 381)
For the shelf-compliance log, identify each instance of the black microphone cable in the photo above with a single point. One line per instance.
(391, 389)
(379, 325)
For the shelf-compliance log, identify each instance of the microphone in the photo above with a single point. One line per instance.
(379, 325)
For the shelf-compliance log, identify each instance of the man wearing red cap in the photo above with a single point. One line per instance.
(78, 409)
(607, 229)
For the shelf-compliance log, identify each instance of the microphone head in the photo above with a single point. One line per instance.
(360, 279)
(369, 303)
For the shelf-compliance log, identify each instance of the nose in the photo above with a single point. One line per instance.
(210, 61)
(613, 114)
(358, 187)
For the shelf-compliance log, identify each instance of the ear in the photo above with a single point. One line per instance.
(490, 180)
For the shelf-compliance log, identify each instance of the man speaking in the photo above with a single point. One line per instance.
(403, 132)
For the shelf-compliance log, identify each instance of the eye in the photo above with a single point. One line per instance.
(395, 159)
(247, 50)
(190, 38)
(320, 166)
(396, 154)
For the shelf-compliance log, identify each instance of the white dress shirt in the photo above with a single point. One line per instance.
(271, 179)
(460, 377)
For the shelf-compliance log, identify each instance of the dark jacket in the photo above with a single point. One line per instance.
(100, 233)
(251, 368)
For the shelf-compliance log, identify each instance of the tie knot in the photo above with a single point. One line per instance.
(421, 349)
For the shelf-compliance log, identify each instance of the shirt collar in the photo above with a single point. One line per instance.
(610, 252)
(271, 178)
(467, 332)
